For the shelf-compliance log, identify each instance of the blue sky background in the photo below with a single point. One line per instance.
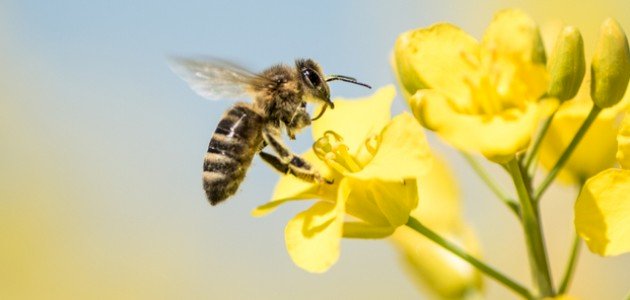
(105, 148)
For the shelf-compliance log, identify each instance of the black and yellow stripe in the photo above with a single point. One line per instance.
(231, 150)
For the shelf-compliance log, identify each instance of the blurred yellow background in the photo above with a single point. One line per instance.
(102, 146)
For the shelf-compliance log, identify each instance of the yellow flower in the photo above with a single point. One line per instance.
(374, 161)
(602, 210)
(430, 266)
(482, 97)
(595, 152)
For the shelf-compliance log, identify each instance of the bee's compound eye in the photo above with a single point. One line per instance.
(312, 77)
(303, 105)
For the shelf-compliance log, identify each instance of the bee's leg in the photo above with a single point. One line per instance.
(305, 172)
(275, 162)
(300, 168)
(271, 137)
(262, 146)
(294, 164)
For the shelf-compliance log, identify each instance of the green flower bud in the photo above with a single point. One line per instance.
(610, 68)
(567, 64)
(538, 52)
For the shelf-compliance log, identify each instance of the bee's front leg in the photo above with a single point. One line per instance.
(299, 120)
(290, 133)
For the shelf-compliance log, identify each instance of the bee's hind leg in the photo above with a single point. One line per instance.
(275, 162)
(297, 167)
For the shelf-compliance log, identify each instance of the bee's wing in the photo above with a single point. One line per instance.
(215, 79)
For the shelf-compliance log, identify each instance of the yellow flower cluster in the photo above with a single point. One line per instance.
(488, 97)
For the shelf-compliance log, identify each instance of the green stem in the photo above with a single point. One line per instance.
(567, 152)
(529, 158)
(496, 189)
(533, 234)
(481, 266)
(570, 268)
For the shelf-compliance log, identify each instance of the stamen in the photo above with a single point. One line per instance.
(337, 166)
(335, 135)
(330, 156)
(346, 159)
(331, 150)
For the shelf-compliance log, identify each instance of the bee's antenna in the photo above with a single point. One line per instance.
(342, 78)
(346, 79)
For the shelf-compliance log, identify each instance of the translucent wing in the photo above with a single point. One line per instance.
(214, 79)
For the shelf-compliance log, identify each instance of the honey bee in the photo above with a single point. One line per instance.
(280, 94)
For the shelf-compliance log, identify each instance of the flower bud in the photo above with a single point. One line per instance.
(567, 64)
(610, 68)
(538, 52)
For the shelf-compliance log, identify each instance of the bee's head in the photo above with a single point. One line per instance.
(316, 84)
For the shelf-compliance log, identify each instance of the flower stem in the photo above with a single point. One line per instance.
(570, 268)
(481, 266)
(567, 152)
(531, 154)
(533, 234)
(496, 189)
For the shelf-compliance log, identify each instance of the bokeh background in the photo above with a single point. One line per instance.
(101, 149)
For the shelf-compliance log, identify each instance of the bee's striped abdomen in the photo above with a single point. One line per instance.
(230, 152)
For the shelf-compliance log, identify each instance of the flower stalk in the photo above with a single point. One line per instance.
(531, 154)
(567, 153)
(494, 187)
(541, 273)
(570, 268)
(481, 266)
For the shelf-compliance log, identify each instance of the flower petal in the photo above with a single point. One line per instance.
(439, 206)
(602, 212)
(514, 42)
(382, 203)
(514, 33)
(498, 137)
(623, 140)
(357, 119)
(313, 236)
(363, 230)
(434, 58)
(403, 152)
(290, 188)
